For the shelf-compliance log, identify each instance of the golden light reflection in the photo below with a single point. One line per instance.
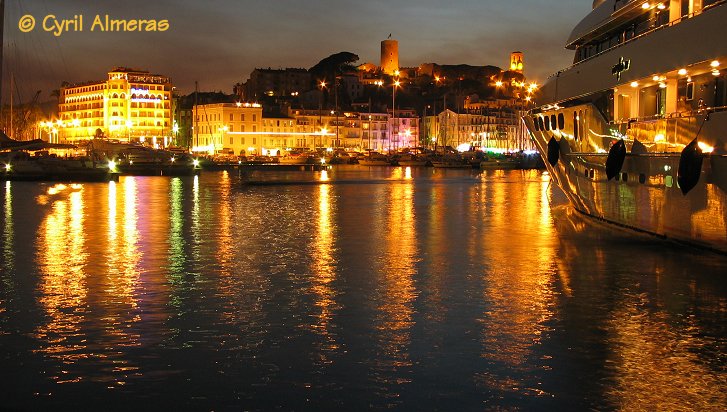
(398, 268)
(63, 285)
(407, 173)
(176, 230)
(521, 282)
(324, 270)
(8, 262)
(324, 176)
(112, 213)
(657, 361)
(124, 254)
(195, 211)
(120, 285)
(225, 249)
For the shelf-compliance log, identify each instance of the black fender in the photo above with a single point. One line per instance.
(615, 160)
(553, 151)
(690, 167)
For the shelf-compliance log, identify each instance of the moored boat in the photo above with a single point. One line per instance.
(409, 159)
(297, 158)
(634, 131)
(374, 159)
(24, 166)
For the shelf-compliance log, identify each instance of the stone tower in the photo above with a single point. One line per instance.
(517, 62)
(389, 56)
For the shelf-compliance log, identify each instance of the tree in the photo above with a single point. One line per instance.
(333, 65)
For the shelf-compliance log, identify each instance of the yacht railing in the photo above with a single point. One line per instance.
(674, 115)
(650, 31)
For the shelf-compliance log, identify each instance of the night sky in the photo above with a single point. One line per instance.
(220, 42)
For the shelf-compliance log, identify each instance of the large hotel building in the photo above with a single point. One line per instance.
(131, 105)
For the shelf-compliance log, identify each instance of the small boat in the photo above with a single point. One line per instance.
(374, 159)
(500, 163)
(409, 159)
(297, 158)
(451, 161)
(22, 166)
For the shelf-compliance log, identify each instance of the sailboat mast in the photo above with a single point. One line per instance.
(195, 123)
(2, 44)
(12, 79)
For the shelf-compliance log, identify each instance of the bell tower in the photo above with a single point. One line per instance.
(516, 62)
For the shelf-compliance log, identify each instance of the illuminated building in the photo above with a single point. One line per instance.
(130, 105)
(280, 133)
(227, 128)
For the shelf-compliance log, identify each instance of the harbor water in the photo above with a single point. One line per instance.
(352, 288)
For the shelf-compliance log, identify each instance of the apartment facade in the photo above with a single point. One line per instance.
(130, 105)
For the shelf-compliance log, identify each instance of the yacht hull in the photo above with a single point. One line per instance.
(645, 194)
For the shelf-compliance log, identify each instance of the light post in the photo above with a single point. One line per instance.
(335, 93)
(175, 131)
(129, 124)
(393, 109)
(322, 84)
(223, 131)
(369, 130)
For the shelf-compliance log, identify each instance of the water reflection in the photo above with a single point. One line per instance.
(649, 313)
(395, 315)
(415, 288)
(224, 249)
(63, 288)
(520, 286)
(8, 239)
(657, 360)
(176, 228)
(324, 272)
(7, 266)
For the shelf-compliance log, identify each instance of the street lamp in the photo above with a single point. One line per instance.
(322, 85)
(393, 108)
(128, 130)
(175, 131)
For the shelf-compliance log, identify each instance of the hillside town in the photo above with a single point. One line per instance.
(336, 104)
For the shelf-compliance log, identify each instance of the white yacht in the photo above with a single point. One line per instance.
(635, 131)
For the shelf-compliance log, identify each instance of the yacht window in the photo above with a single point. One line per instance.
(547, 123)
(690, 91)
(575, 125)
(552, 122)
(561, 121)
